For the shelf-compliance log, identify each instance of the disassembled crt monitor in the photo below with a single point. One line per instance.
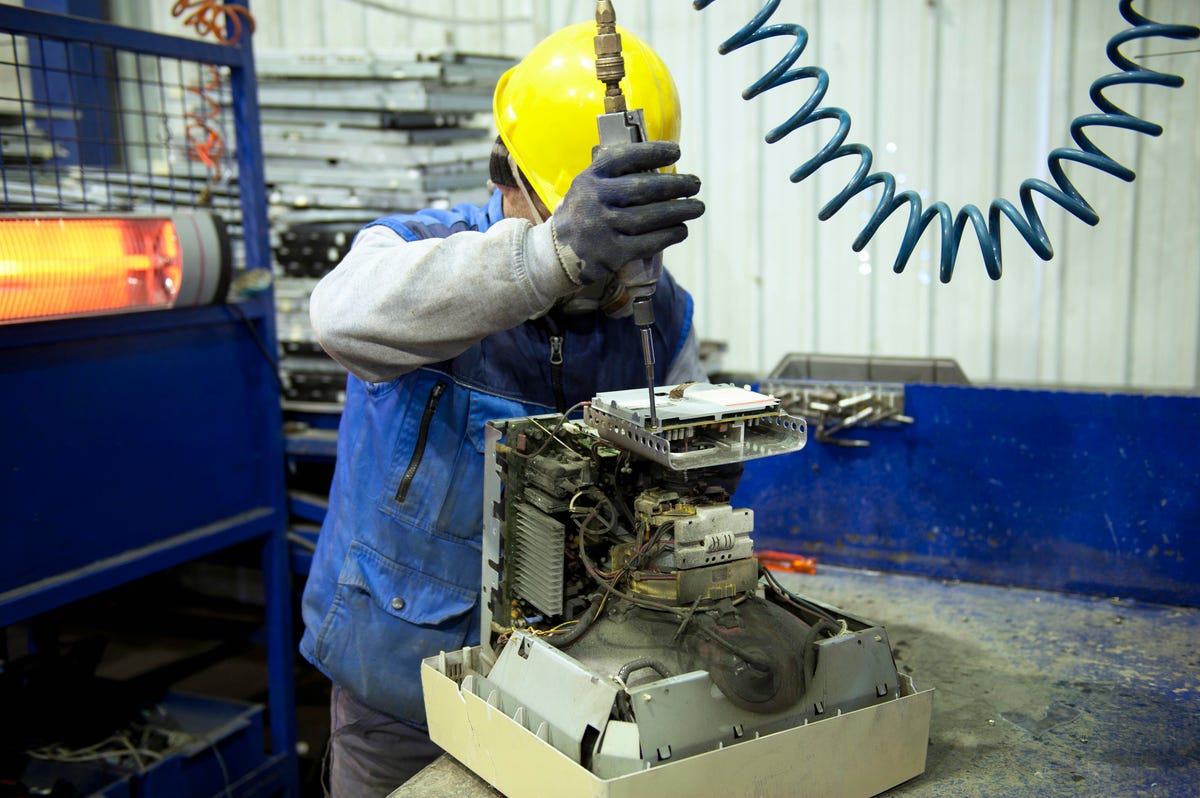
(631, 642)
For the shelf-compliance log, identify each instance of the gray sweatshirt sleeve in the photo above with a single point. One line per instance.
(392, 306)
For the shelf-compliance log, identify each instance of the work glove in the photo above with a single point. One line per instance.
(621, 209)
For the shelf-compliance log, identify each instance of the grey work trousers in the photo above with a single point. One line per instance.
(370, 753)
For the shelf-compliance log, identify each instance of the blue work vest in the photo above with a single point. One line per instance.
(396, 574)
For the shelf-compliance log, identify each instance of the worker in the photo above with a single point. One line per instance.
(446, 319)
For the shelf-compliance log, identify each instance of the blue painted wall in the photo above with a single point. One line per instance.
(1083, 492)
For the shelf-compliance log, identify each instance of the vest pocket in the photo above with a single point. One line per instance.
(418, 453)
(384, 619)
(400, 590)
(435, 479)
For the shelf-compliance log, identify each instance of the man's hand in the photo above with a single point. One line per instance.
(621, 209)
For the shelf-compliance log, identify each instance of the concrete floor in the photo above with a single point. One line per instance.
(1040, 693)
(1037, 693)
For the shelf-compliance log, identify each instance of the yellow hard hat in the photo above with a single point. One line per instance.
(546, 106)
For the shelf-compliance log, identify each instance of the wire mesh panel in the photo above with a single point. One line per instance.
(96, 128)
(99, 119)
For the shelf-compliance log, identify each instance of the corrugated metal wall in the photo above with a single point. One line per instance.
(961, 99)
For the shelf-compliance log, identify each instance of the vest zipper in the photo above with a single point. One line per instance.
(556, 372)
(410, 473)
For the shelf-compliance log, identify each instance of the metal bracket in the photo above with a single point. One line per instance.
(834, 408)
(700, 424)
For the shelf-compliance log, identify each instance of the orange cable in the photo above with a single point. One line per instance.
(225, 22)
(213, 17)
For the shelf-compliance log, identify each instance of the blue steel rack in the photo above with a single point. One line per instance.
(138, 442)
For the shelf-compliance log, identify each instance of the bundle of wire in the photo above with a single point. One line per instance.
(136, 749)
(224, 22)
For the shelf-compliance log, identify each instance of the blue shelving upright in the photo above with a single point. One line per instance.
(137, 442)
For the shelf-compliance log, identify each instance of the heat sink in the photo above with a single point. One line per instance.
(538, 544)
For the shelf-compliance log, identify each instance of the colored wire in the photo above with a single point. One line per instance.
(1027, 221)
(564, 638)
(205, 141)
(223, 21)
(636, 560)
(794, 598)
(610, 587)
(551, 434)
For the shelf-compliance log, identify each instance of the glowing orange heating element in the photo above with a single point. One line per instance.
(81, 266)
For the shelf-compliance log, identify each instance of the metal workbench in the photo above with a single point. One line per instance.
(1038, 693)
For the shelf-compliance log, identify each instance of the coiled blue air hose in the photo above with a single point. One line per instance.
(1028, 224)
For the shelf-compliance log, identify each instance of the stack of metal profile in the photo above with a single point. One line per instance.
(22, 140)
(304, 252)
(348, 137)
(374, 133)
